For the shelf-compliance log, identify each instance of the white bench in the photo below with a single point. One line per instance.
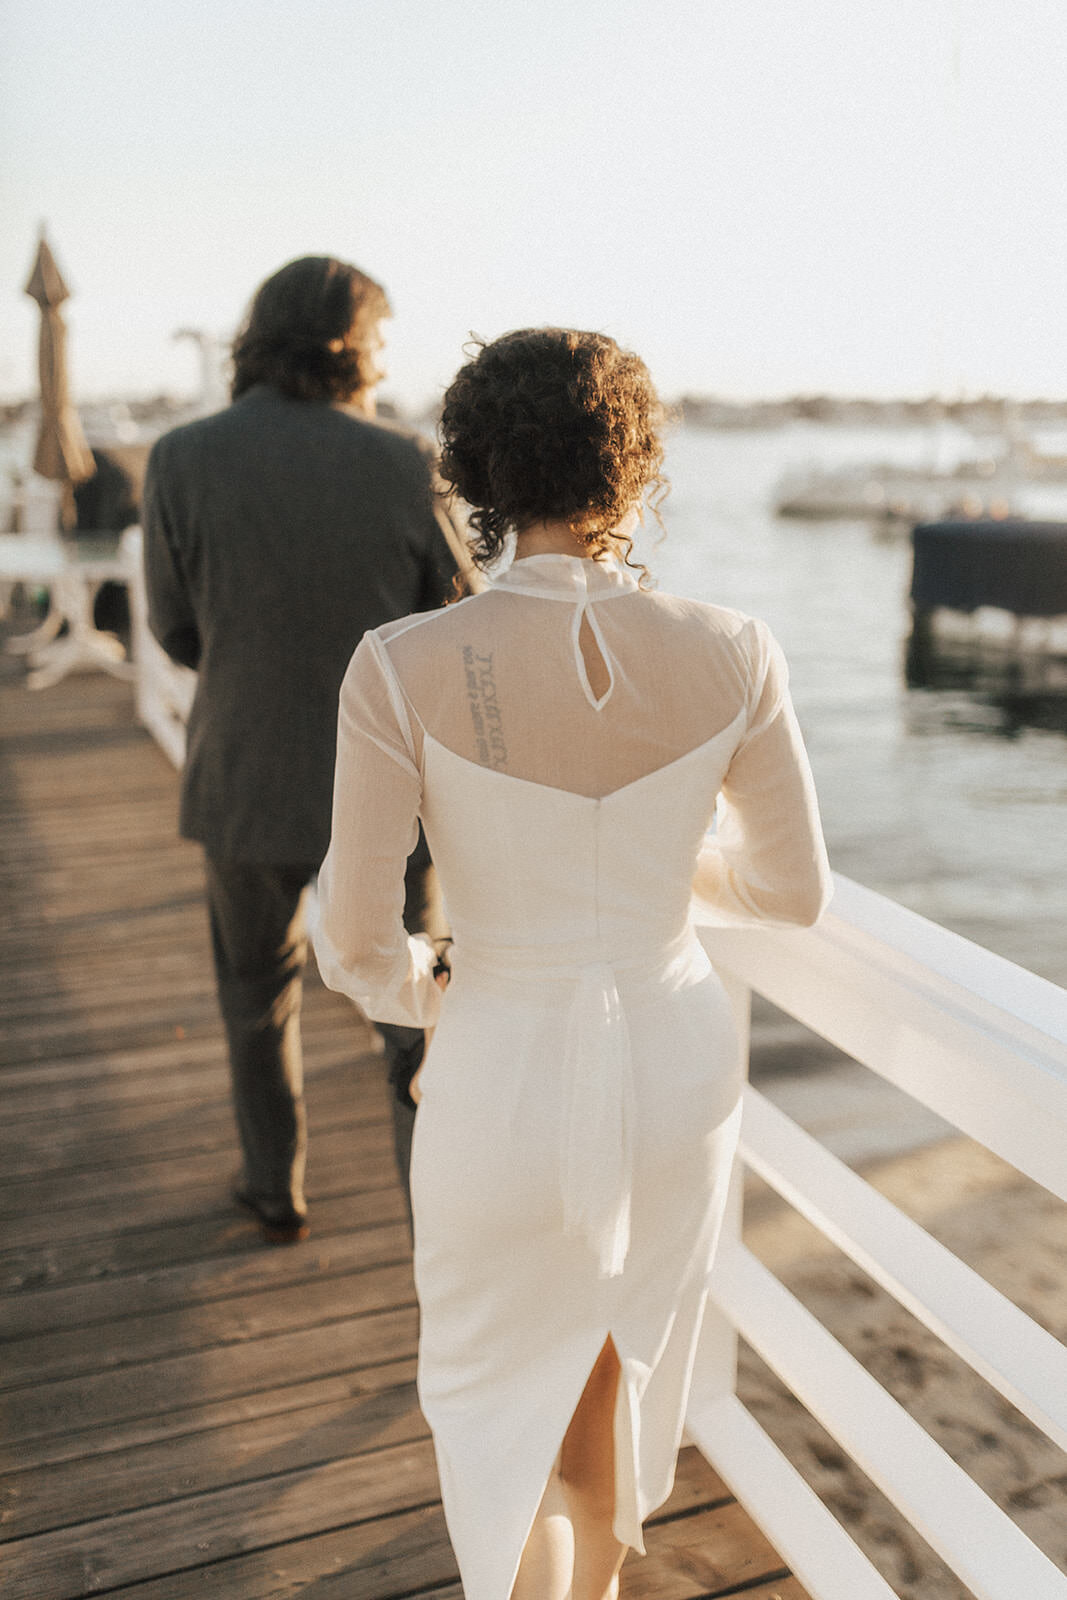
(72, 571)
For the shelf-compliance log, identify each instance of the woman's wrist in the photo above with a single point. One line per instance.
(442, 967)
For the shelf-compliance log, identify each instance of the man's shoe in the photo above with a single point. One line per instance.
(282, 1227)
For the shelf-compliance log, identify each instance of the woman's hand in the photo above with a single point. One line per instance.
(413, 1087)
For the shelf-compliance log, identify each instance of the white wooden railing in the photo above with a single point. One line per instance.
(984, 1044)
(164, 690)
(977, 1040)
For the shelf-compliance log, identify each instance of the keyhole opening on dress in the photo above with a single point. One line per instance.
(596, 668)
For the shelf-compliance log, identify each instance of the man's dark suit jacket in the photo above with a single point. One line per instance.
(276, 533)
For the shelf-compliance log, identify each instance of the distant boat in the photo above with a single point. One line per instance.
(891, 493)
(1015, 482)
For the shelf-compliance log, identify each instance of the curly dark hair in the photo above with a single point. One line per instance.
(549, 423)
(296, 316)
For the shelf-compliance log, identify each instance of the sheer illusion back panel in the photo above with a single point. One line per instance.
(501, 681)
(586, 699)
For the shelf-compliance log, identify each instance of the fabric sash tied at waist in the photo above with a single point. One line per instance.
(598, 1112)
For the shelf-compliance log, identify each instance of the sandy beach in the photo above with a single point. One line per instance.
(1008, 1229)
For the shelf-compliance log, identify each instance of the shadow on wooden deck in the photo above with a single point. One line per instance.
(187, 1412)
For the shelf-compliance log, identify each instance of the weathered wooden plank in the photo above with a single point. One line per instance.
(181, 956)
(116, 1435)
(365, 1148)
(714, 1552)
(89, 1071)
(51, 826)
(61, 1493)
(775, 1589)
(148, 808)
(28, 1043)
(83, 838)
(92, 1078)
(115, 1029)
(179, 964)
(54, 1139)
(209, 1204)
(179, 1127)
(100, 994)
(696, 1486)
(202, 1529)
(60, 1140)
(333, 1494)
(36, 787)
(157, 990)
(674, 1586)
(129, 1341)
(112, 879)
(99, 697)
(79, 1403)
(102, 1034)
(402, 1557)
(218, 1232)
(49, 1311)
(93, 900)
(408, 1555)
(77, 939)
(173, 921)
(83, 754)
(171, 1083)
(116, 843)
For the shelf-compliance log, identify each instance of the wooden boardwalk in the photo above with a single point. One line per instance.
(187, 1413)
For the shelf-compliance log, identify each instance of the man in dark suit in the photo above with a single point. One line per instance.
(276, 533)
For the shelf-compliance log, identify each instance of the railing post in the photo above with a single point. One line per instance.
(715, 1370)
(164, 691)
(132, 549)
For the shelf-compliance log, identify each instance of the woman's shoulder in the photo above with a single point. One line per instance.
(388, 632)
(703, 618)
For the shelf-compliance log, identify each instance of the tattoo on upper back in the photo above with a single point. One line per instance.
(485, 708)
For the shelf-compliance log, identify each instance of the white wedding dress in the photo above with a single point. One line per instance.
(564, 737)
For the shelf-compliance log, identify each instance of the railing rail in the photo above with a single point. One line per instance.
(1005, 1346)
(979, 1041)
(972, 1036)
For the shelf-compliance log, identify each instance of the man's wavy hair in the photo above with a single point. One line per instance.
(549, 423)
(295, 316)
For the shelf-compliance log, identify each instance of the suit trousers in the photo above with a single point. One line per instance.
(258, 916)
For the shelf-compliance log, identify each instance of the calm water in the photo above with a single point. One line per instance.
(933, 798)
(930, 797)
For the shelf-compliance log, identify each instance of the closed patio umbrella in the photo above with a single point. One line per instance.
(62, 453)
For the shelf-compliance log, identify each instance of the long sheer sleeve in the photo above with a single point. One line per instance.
(361, 945)
(766, 860)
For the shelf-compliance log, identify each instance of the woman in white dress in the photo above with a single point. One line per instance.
(565, 738)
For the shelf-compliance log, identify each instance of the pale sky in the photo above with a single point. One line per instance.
(760, 196)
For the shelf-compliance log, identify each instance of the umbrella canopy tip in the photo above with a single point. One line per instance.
(46, 284)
